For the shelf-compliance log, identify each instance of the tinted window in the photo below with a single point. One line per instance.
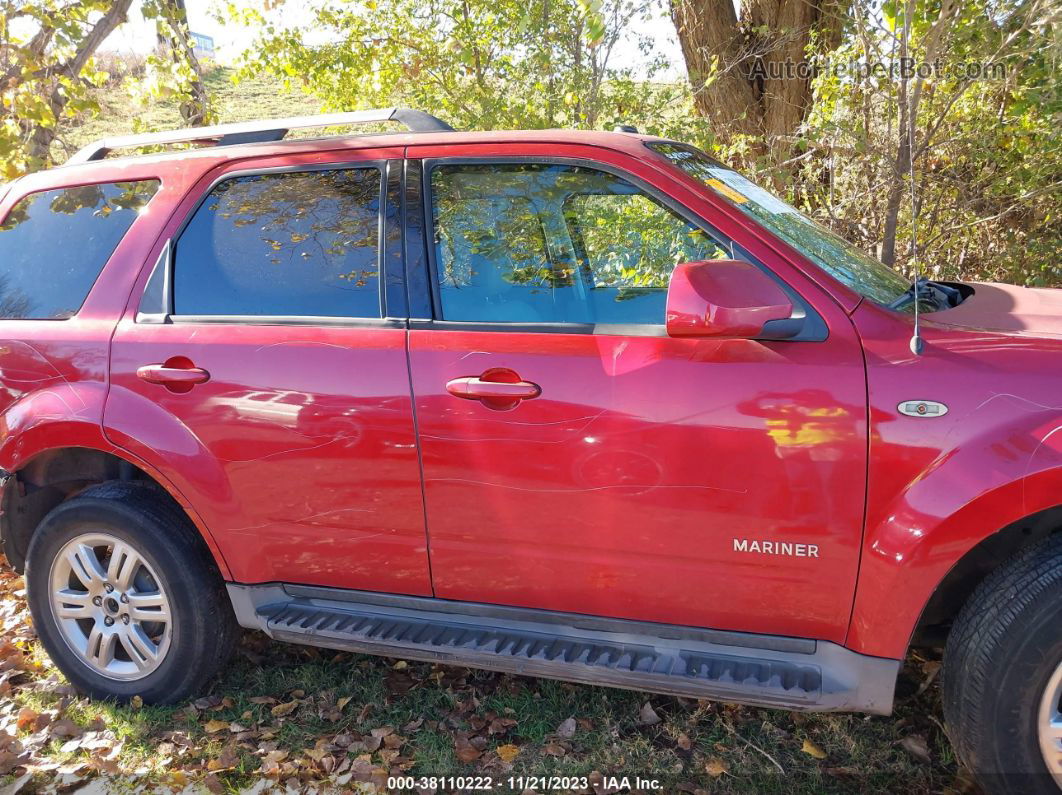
(294, 244)
(831, 252)
(53, 245)
(552, 243)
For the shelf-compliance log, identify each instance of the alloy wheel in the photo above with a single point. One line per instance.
(110, 606)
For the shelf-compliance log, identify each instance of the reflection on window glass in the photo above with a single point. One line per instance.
(300, 244)
(53, 245)
(538, 243)
(832, 253)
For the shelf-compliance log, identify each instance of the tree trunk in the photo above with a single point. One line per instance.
(41, 136)
(195, 110)
(750, 73)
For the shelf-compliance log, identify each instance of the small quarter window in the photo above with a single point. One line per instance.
(298, 244)
(53, 245)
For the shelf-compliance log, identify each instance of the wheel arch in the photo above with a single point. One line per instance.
(969, 571)
(917, 566)
(40, 479)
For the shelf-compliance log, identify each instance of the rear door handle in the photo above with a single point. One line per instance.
(169, 375)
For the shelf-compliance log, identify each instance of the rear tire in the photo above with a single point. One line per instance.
(1003, 675)
(125, 597)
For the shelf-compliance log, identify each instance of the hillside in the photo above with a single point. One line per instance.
(260, 97)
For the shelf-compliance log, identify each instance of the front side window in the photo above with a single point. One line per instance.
(292, 244)
(550, 243)
(839, 258)
(53, 245)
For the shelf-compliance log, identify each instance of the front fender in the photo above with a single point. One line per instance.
(998, 476)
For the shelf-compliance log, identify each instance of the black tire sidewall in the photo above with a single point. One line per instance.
(171, 563)
(1013, 753)
(1002, 652)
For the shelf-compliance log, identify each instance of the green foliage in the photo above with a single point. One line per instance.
(988, 159)
(480, 64)
(49, 75)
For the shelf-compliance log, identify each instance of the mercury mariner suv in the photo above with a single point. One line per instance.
(580, 405)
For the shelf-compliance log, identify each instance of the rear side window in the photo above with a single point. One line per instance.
(298, 244)
(53, 245)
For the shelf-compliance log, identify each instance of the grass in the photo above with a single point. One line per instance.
(260, 97)
(310, 719)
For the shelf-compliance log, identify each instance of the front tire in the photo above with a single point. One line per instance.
(1003, 675)
(126, 600)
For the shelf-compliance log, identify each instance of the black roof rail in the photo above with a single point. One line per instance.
(264, 130)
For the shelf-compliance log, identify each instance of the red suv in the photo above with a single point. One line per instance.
(580, 405)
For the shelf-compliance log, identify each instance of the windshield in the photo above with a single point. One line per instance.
(846, 263)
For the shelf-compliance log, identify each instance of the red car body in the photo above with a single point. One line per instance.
(334, 455)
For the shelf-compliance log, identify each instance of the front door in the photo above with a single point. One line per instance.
(577, 459)
(262, 369)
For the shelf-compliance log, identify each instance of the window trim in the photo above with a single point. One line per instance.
(813, 327)
(7, 189)
(167, 257)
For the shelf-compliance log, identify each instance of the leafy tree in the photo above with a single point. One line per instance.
(477, 63)
(48, 70)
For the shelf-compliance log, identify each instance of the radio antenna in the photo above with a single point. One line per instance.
(916, 337)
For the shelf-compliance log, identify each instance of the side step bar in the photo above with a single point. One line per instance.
(726, 666)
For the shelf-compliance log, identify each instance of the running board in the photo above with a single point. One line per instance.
(679, 661)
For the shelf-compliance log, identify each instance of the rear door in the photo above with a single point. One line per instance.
(265, 362)
(575, 457)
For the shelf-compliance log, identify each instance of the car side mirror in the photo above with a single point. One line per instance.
(724, 298)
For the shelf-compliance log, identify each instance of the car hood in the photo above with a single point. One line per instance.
(1005, 307)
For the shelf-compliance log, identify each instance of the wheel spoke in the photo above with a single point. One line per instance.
(74, 604)
(86, 566)
(123, 565)
(141, 650)
(100, 650)
(148, 607)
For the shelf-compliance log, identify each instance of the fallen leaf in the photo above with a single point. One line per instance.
(567, 729)
(715, 767)
(262, 700)
(215, 726)
(811, 749)
(66, 728)
(280, 710)
(553, 749)
(466, 752)
(27, 719)
(647, 715)
(343, 702)
(136, 702)
(683, 741)
(507, 753)
(916, 746)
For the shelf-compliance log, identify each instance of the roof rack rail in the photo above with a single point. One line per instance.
(260, 131)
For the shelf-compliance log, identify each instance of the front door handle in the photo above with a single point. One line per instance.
(475, 388)
(498, 388)
(177, 374)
